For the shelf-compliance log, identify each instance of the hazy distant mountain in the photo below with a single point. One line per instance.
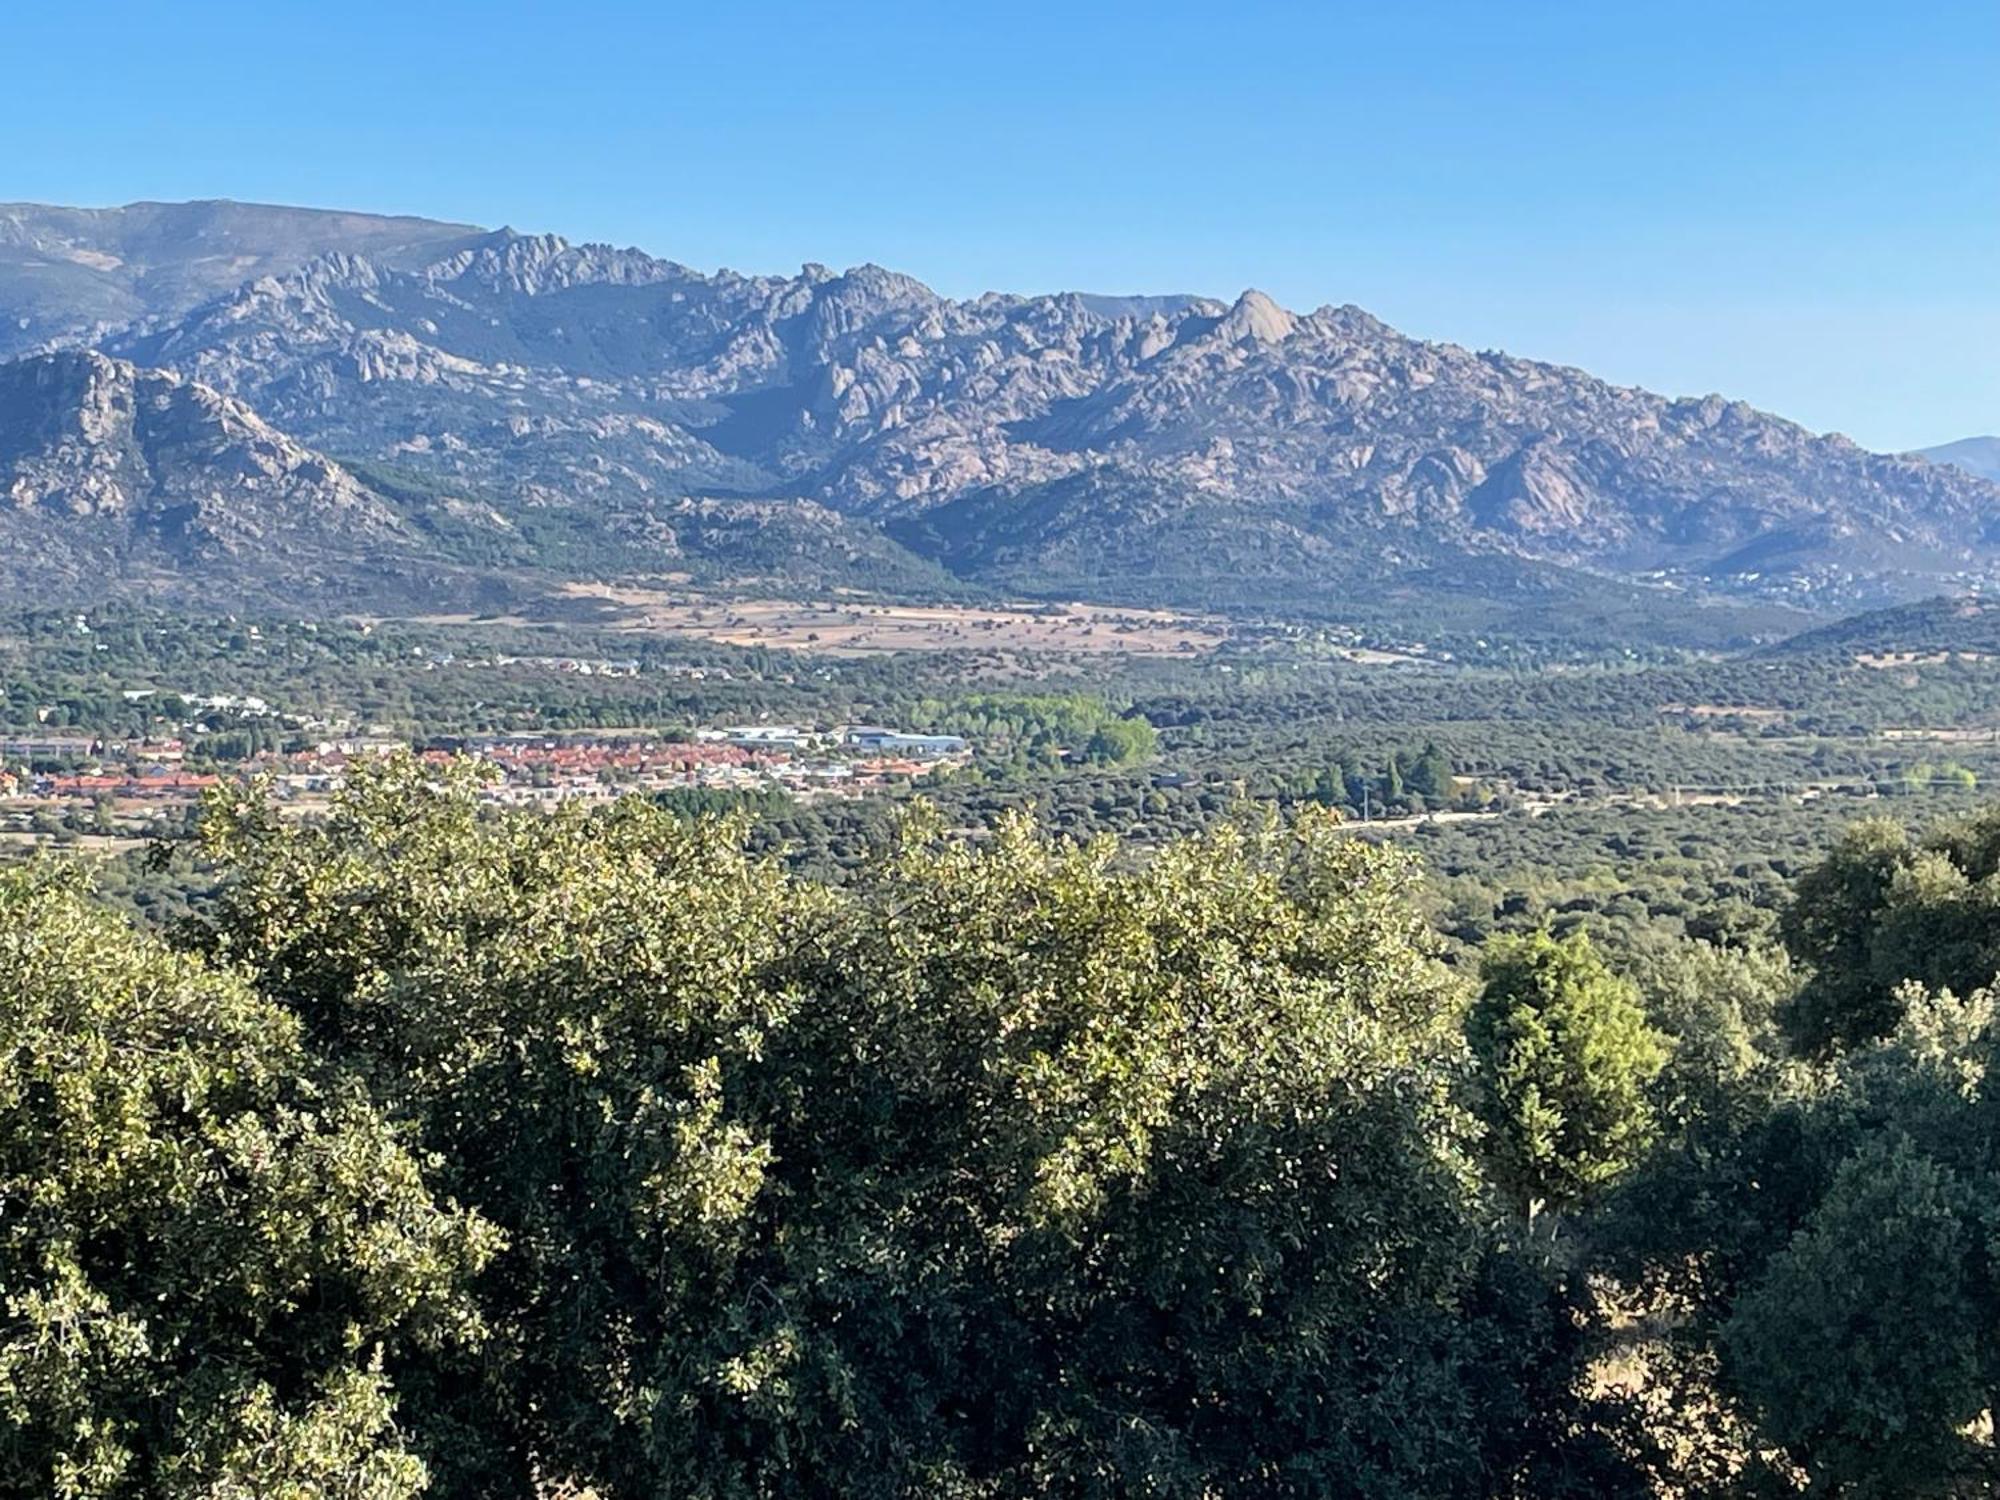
(1172, 448)
(1975, 455)
(71, 272)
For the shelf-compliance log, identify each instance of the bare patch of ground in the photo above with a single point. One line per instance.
(1883, 661)
(1962, 736)
(853, 627)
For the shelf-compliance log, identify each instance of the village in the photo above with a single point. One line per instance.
(53, 781)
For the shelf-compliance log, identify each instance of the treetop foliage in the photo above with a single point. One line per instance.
(1883, 909)
(208, 1248)
(1004, 1170)
(456, 1150)
(1567, 1055)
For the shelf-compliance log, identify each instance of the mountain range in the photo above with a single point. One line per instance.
(1975, 455)
(289, 403)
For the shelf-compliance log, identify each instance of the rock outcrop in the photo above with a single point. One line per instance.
(106, 468)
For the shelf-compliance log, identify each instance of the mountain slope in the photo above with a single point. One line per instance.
(1174, 449)
(67, 273)
(1964, 624)
(107, 470)
(112, 476)
(1976, 455)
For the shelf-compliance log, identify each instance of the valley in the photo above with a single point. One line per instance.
(1046, 752)
(858, 625)
(417, 610)
(1148, 726)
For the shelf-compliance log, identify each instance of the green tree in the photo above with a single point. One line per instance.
(1882, 909)
(1864, 1348)
(1005, 1170)
(1819, 1240)
(1429, 775)
(1119, 742)
(1565, 1058)
(212, 1266)
(562, 1008)
(1716, 1007)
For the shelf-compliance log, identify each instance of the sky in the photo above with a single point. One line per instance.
(1794, 204)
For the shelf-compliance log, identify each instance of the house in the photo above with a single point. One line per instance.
(787, 736)
(895, 742)
(46, 746)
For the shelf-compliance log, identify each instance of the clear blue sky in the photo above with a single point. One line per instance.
(1798, 204)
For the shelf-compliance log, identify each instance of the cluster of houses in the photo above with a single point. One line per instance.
(48, 769)
(580, 666)
(800, 760)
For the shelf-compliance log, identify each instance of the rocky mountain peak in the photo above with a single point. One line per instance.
(1256, 316)
(72, 275)
(1350, 322)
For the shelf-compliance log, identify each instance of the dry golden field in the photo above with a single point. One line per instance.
(841, 626)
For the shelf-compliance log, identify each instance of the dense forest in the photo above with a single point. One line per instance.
(464, 1152)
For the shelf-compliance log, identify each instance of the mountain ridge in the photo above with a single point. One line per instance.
(1979, 456)
(109, 469)
(80, 272)
(1043, 442)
